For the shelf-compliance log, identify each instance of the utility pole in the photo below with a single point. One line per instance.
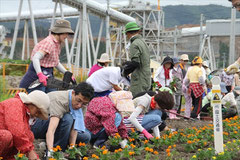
(201, 32)
(175, 54)
(232, 37)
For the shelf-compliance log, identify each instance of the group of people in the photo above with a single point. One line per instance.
(98, 108)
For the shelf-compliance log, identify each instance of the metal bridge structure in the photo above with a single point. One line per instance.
(83, 51)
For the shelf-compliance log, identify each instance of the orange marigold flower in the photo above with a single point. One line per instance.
(85, 158)
(132, 145)
(235, 132)
(103, 147)
(1, 157)
(155, 152)
(117, 134)
(51, 159)
(168, 154)
(157, 137)
(105, 151)
(20, 155)
(81, 144)
(95, 156)
(168, 150)
(169, 147)
(189, 142)
(131, 153)
(132, 129)
(150, 150)
(147, 148)
(146, 141)
(120, 150)
(59, 148)
(55, 149)
(174, 146)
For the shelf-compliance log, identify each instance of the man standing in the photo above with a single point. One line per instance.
(140, 60)
(45, 56)
(66, 123)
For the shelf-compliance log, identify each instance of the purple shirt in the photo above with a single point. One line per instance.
(94, 69)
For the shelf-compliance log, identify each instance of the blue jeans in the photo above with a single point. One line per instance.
(152, 119)
(62, 133)
(41, 87)
(118, 120)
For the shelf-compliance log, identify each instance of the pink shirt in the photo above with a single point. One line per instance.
(94, 69)
(52, 47)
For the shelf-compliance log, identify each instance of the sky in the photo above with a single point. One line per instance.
(7, 6)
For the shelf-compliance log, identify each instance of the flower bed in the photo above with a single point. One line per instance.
(189, 143)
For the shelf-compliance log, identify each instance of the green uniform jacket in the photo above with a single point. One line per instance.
(141, 77)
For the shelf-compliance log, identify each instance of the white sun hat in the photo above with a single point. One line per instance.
(104, 58)
(39, 99)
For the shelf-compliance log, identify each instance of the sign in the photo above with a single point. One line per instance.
(217, 114)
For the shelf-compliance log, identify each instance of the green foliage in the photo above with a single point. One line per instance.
(3, 93)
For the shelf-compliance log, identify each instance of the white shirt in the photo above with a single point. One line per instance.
(160, 77)
(105, 78)
(229, 98)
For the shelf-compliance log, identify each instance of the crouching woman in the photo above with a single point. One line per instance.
(15, 133)
(102, 120)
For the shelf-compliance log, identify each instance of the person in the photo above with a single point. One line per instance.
(66, 123)
(236, 4)
(163, 74)
(177, 80)
(183, 62)
(106, 79)
(140, 59)
(228, 79)
(228, 101)
(15, 133)
(152, 109)
(102, 120)
(236, 78)
(45, 56)
(195, 82)
(102, 62)
(206, 68)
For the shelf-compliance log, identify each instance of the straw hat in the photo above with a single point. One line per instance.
(184, 57)
(104, 58)
(39, 99)
(62, 26)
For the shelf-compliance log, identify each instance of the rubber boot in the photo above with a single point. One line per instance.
(103, 137)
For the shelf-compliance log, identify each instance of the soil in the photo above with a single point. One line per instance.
(176, 124)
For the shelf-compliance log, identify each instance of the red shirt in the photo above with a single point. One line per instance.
(101, 114)
(14, 118)
(52, 47)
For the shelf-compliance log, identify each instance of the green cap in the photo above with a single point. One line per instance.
(131, 26)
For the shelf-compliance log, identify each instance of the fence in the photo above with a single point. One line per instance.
(20, 69)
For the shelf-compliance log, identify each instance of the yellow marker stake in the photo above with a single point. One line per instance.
(217, 114)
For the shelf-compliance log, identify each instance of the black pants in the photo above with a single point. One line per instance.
(197, 105)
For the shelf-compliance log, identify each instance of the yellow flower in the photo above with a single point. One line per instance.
(221, 153)
(105, 151)
(20, 155)
(228, 142)
(194, 156)
(85, 158)
(209, 149)
(234, 141)
(224, 145)
(199, 150)
(214, 157)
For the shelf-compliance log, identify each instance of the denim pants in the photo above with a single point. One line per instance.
(41, 87)
(62, 133)
(152, 119)
(118, 120)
